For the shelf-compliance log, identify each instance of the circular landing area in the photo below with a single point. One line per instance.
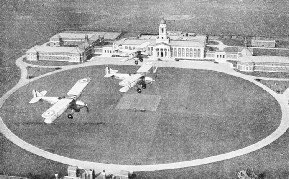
(200, 114)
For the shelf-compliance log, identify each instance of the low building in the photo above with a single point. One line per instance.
(73, 39)
(76, 173)
(69, 54)
(76, 38)
(263, 64)
(11, 177)
(107, 50)
(263, 42)
(224, 55)
(79, 53)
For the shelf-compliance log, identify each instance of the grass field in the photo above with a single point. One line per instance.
(33, 72)
(26, 162)
(265, 74)
(277, 86)
(50, 63)
(201, 113)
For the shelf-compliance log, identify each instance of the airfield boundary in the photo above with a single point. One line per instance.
(282, 100)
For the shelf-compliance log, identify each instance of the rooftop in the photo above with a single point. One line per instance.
(90, 34)
(264, 59)
(38, 48)
(135, 41)
(182, 43)
(163, 21)
(186, 43)
(69, 35)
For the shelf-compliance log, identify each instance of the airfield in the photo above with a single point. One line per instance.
(196, 114)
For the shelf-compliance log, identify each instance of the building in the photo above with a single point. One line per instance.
(76, 173)
(263, 42)
(249, 63)
(76, 38)
(228, 53)
(163, 46)
(69, 54)
(73, 39)
(57, 51)
(11, 177)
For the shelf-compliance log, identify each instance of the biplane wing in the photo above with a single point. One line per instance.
(56, 110)
(77, 89)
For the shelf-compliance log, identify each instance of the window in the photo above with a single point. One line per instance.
(191, 52)
(175, 51)
(183, 52)
(187, 52)
(195, 52)
(157, 52)
(125, 47)
(199, 52)
(179, 52)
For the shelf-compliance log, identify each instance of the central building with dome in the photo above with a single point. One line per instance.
(167, 44)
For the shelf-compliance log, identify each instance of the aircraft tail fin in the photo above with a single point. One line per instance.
(109, 72)
(37, 96)
(155, 69)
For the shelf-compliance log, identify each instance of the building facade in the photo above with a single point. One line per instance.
(73, 39)
(69, 54)
(263, 64)
(263, 43)
(163, 47)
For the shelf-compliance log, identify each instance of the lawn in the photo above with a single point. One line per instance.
(199, 115)
(26, 162)
(50, 63)
(277, 86)
(33, 72)
(266, 74)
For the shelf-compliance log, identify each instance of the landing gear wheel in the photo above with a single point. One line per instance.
(138, 90)
(70, 116)
(144, 86)
(141, 60)
(136, 62)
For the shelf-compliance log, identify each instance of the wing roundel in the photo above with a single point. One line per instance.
(48, 113)
(84, 80)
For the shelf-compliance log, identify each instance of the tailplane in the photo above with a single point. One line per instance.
(109, 72)
(37, 96)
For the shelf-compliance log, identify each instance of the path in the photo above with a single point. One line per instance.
(114, 168)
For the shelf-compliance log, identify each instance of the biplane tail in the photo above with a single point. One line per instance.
(37, 96)
(110, 72)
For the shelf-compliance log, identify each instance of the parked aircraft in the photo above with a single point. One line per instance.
(138, 79)
(136, 54)
(61, 104)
